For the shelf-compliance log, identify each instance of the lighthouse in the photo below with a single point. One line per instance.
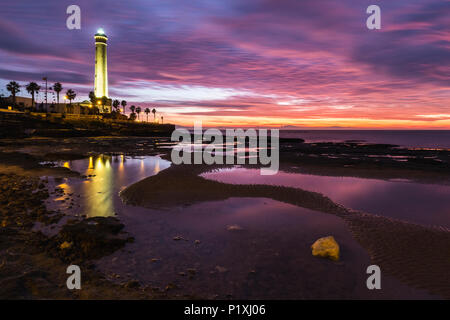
(101, 71)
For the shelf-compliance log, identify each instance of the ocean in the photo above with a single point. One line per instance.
(404, 138)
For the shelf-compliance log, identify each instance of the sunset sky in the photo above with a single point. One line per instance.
(309, 63)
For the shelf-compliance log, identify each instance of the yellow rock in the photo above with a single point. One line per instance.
(326, 247)
(65, 245)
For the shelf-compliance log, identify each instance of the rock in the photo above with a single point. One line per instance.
(326, 247)
(169, 286)
(132, 284)
(90, 239)
(65, 245)
(192, 271)
(234, 227)
(221, 269)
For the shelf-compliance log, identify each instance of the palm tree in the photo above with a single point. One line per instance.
(154, 114)
(13, 87)
(57, 87)
(71, 96)
(32, 88)
(162, 120)
(147, 111)
(123, 104)
(92, 98)
(138, 110)
(116, 104)
(104, 101)
(132, 108)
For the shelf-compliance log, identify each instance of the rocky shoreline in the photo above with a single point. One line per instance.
(33, 265)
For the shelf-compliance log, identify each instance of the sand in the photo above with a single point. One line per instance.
(414, 254)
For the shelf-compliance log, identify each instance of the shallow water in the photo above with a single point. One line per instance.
(426, 204)
(404, 138)
(106, 177)
(246, 248)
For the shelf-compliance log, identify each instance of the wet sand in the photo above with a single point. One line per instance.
(29, 267)
(246, 248)
(401, 199)
(412, 253)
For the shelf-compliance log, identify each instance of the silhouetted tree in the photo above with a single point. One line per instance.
(154, 114)
(123, 104)
(92, 98)
(32, 88)
(104, 101)
(138, 110)
(116, 104)
(14, 88)
(132, 108)
(147, 111)
(57, 87)
(70, 95)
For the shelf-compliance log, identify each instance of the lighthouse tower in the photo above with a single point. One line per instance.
(101, 71)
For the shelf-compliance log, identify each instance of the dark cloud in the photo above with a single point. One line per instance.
(14, 41)
(67, 77)
(276, 49)
(407, 54)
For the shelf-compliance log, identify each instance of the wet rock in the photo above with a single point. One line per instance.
(90, 238)
(132, 284)
(65, 245)
(170, 286)
(326, 247)
(192, 271)
(221, 269)
(234, 227)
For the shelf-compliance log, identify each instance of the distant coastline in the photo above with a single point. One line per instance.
(403, 138)
(435, 139)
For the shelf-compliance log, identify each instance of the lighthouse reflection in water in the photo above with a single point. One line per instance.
(104, 177)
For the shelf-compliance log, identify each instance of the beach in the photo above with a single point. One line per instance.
(146, 228)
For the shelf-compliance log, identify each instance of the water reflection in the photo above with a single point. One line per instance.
(100, 188)
(419, 203)
(106, 176)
